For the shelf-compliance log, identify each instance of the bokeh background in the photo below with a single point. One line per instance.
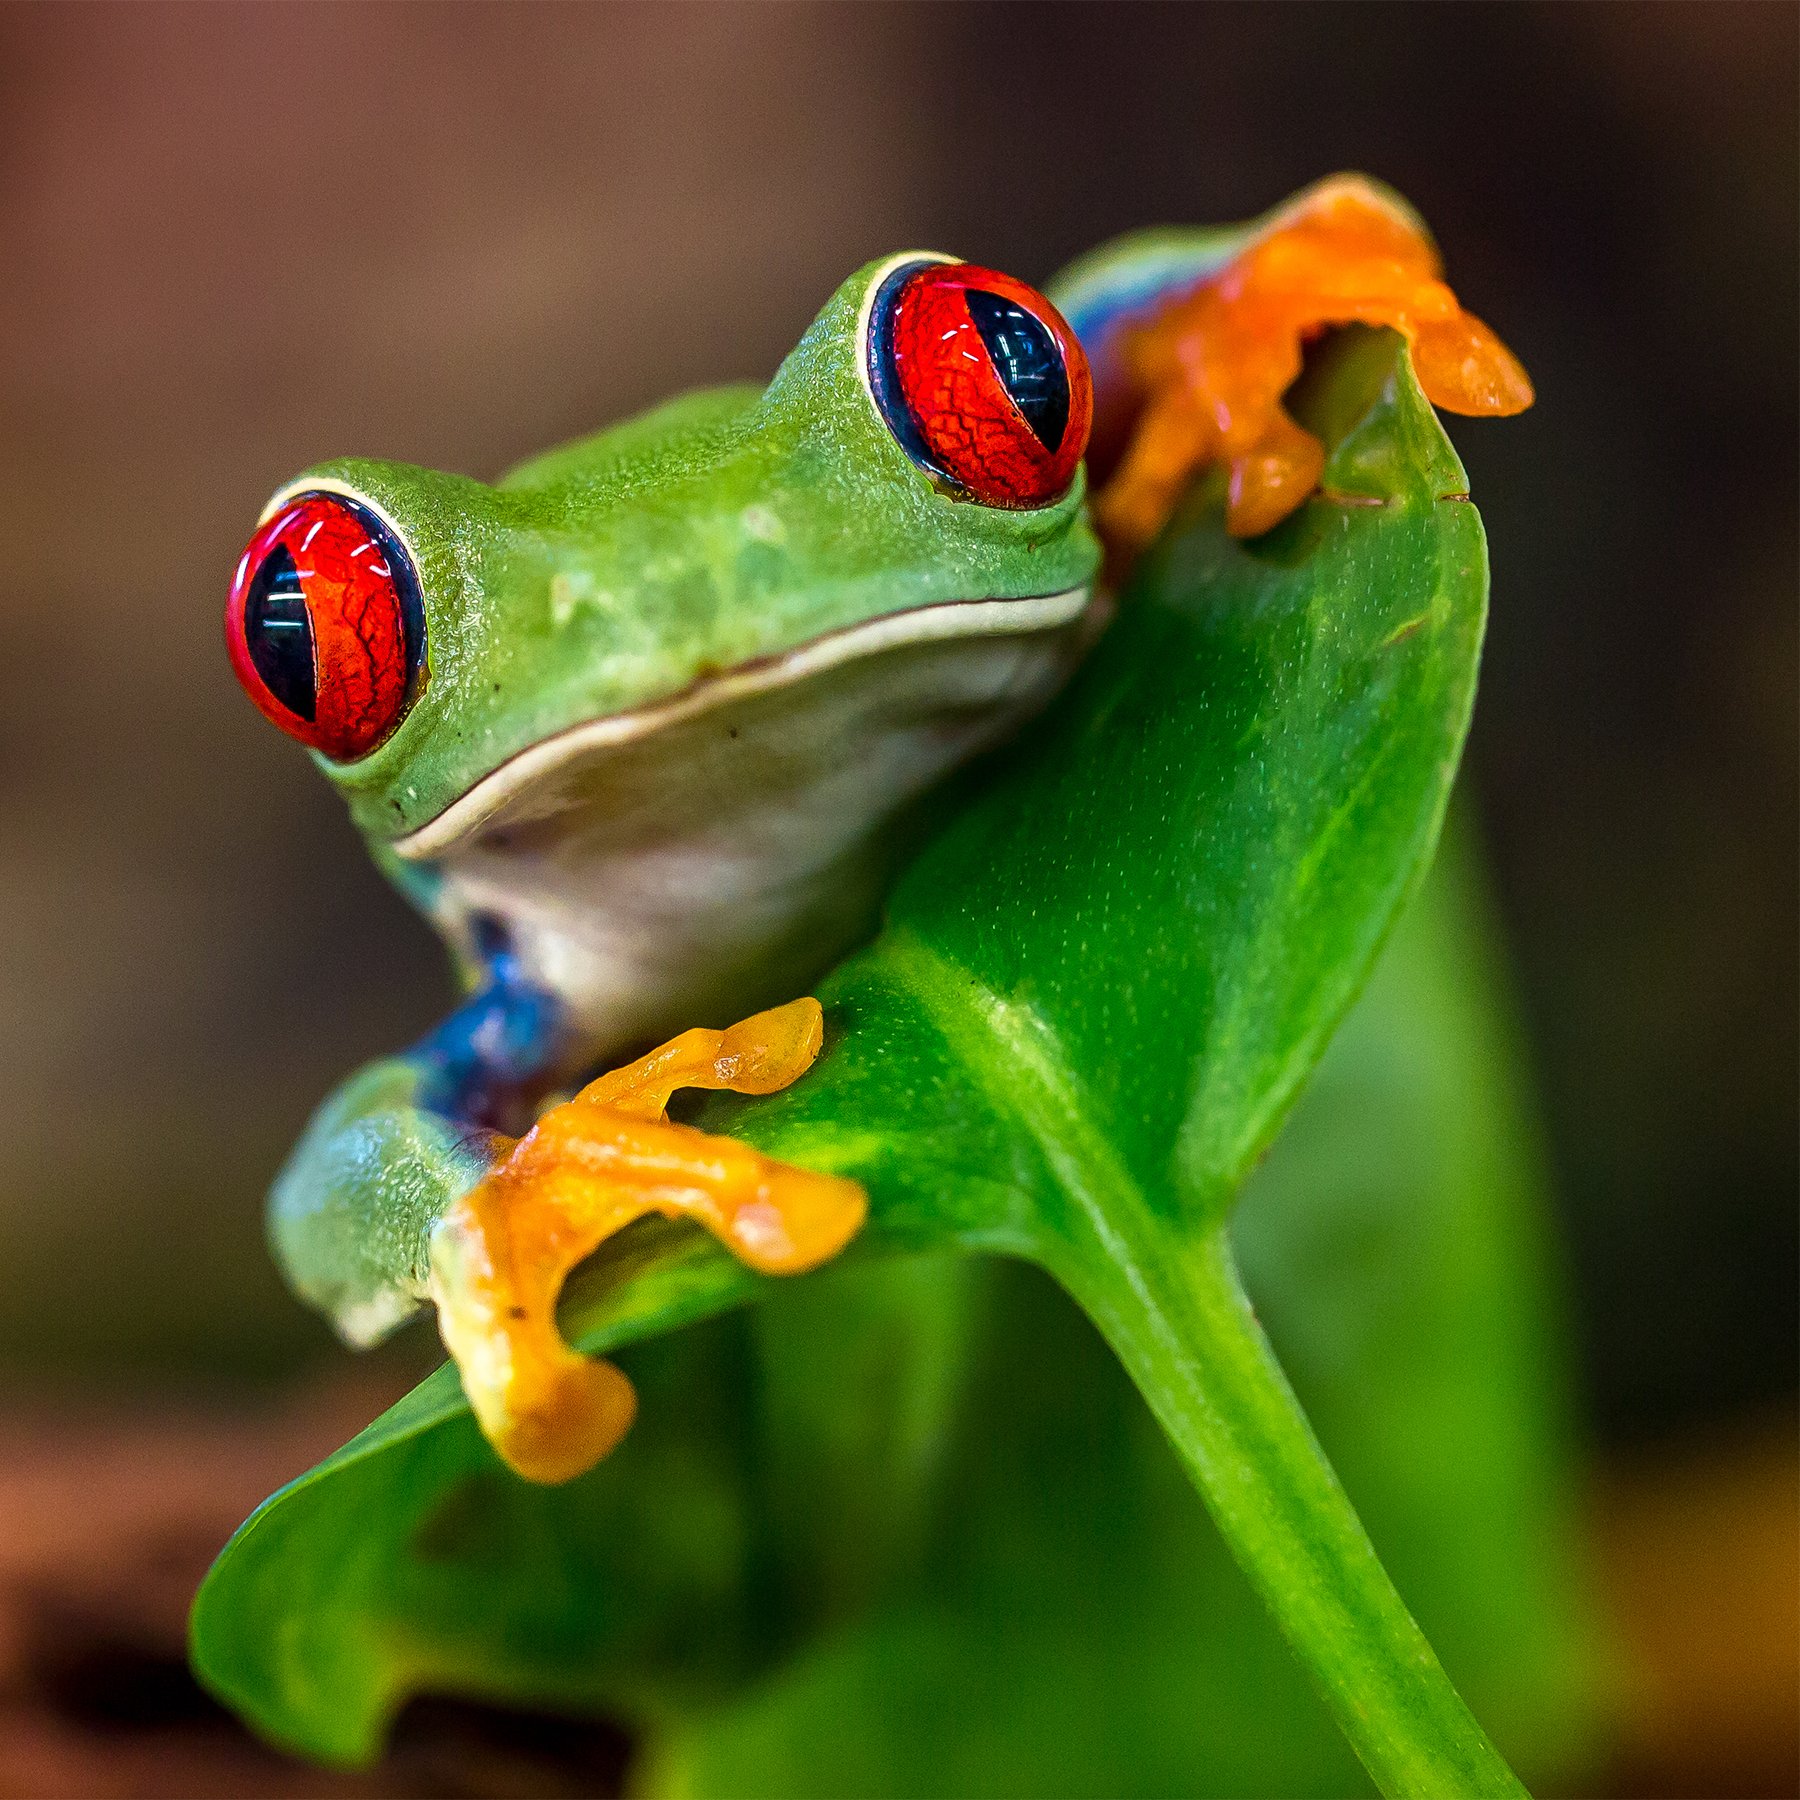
(238, 239)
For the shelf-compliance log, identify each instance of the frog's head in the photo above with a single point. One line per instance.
(474, 665)
(920, 447)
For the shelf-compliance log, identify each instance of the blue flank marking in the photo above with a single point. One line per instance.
(1104, 298)
(495, 1047)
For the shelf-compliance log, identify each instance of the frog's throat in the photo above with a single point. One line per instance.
(715, 853)
(945, 621)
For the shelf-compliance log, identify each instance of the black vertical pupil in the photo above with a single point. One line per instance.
(278, 630)
(1028, 361)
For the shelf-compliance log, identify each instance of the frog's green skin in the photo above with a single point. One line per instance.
(681, 677)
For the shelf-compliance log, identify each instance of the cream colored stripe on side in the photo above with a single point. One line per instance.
(920, 625)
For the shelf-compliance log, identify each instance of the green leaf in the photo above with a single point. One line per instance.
(1076, 1627)
(1396, 1244)
(1095, 998)
(777, 1577)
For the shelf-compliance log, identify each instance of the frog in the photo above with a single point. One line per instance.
(645, 727)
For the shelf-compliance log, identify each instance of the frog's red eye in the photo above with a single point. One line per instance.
(981, 380)
(324, 625)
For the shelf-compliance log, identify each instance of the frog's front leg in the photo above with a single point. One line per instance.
(586, 1170)
(351, 1214)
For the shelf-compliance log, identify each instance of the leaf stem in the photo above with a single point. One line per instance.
(1176, 1314)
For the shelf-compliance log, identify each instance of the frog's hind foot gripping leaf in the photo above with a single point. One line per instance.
(1210, 367)
(586, 1170)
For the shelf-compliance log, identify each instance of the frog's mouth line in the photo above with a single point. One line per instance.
(920, 625)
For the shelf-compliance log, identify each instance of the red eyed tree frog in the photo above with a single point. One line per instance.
(634, 726)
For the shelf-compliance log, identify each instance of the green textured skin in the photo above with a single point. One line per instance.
(351, 1213)
(717, 529)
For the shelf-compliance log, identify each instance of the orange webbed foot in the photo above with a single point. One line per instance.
(587, 1169)
(1213, 364)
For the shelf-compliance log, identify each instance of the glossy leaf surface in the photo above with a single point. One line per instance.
(1009, 1524)
(1076, 1627)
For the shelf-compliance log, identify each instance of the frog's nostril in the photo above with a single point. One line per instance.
(324, 626)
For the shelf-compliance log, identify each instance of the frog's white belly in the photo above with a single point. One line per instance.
(701, 859)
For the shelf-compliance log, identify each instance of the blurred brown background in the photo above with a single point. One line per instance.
(238, 239)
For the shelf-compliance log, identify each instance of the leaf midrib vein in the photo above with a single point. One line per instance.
(1043, 1099)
